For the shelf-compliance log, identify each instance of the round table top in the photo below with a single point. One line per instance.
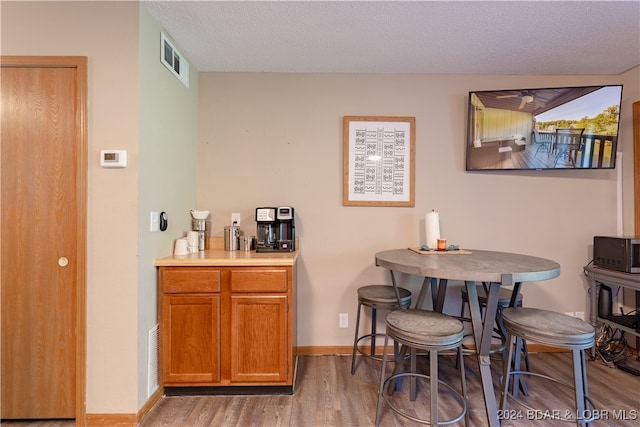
(479, 265)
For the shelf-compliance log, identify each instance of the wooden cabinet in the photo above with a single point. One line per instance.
(259, 326)
(227, 326)
(259, 338)
(191, 338)
(190, 325)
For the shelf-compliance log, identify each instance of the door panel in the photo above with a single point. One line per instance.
(41, 198)
(259, 338)
(190, 338)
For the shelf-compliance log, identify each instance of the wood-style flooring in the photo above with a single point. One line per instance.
(328, 395)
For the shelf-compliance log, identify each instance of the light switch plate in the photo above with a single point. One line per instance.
(155, 221)
(344, 320)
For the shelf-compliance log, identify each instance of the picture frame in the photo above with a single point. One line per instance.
(378, 161)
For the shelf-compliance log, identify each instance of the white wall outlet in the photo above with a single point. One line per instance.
(344, 320)
(235, 219)
(580, 315)
(155, 221)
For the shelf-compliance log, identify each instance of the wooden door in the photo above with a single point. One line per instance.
(42, 236)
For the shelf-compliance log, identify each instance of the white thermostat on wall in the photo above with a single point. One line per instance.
(113, 158)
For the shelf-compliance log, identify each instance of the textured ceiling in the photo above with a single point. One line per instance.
(426, 37)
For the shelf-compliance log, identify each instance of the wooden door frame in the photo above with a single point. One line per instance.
(80, 63)
(636, 165)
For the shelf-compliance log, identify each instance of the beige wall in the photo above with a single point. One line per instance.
(276, 139)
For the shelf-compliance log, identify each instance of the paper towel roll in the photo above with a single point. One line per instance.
(432, 229)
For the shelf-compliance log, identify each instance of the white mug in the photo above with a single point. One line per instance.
(181, 247)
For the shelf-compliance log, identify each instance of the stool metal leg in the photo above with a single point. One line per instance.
(516, 366)
(585, 383)
(373, 331)
(412, 380)
(518, 380)
(463, 385)
(382, 378)
(506, 372)
(579, 372)
(433, 373)
(355, 341)
(399, 357)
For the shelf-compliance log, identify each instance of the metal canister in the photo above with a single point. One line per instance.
(247, 243)
(231, 234)
(202, 227)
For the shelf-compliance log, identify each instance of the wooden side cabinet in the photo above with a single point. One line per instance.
(227, 326)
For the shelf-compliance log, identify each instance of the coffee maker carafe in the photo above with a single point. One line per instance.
(275, 229)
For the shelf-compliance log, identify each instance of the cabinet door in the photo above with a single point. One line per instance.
(190, 339)
(259, 338)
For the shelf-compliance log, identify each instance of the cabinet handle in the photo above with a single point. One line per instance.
(63, 261)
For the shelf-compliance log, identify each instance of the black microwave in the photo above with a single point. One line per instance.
(617, 253)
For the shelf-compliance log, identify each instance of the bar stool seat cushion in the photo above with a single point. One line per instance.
(425, 328)
(549, 327)
(374, 295)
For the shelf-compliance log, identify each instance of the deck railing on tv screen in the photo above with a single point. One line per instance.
(598, 151)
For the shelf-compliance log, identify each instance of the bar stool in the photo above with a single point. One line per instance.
(504, 299)
(429, 331)
(557, 330)
(376, 297)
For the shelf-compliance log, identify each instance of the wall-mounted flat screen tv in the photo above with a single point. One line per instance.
(550, 128)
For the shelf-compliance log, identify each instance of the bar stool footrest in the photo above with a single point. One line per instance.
(386, 393)
(365, 354)
(590, 411)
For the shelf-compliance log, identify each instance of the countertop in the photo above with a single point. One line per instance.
(216, 256)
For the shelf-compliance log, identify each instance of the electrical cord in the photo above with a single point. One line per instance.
(611, 345)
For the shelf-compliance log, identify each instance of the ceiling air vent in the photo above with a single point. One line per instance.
(173, 60)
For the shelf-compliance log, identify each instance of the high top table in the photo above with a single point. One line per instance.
(494, 269)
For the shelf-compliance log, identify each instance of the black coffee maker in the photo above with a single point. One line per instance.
(276, 230)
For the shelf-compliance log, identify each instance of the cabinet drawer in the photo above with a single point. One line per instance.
(189, 279)
(259, 280)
